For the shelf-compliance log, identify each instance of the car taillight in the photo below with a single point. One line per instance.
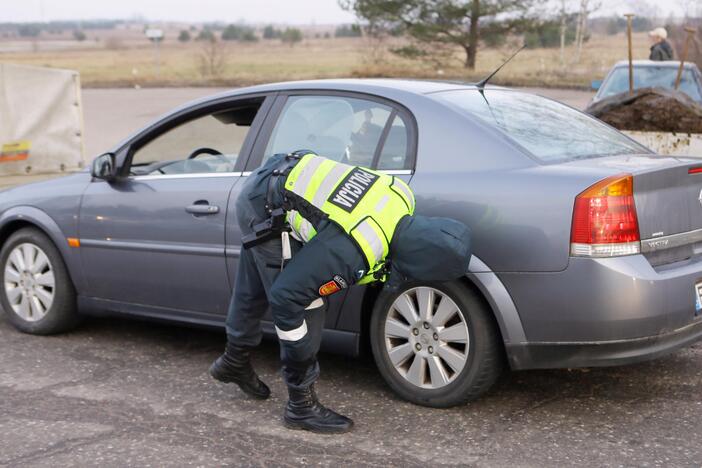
(604, 220)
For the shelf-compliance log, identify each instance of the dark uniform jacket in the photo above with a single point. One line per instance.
(661, 51)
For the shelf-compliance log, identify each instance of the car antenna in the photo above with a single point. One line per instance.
(481, 84)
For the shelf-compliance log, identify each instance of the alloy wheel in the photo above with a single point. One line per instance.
(29, 282)
(426, 337)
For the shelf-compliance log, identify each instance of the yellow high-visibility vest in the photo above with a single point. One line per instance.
(366, 204)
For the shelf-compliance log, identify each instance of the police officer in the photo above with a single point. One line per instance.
(348, 225)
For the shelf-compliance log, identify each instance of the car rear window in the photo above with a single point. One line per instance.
(650, 77)
(550, 131)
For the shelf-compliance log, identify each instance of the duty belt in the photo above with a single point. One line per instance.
(275, 224)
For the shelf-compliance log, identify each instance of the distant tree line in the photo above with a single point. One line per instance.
(208, 32)
(34, 29)
(346, 30)
(241, 33)
(617, 24)
(270, 32)
(237, 32)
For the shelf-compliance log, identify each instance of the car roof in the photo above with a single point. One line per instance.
(369, 85)
(654, 63)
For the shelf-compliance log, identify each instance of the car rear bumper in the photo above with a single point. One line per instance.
(606, 311)
(602, 353)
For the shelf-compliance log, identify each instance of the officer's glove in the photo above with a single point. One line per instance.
(394, 281)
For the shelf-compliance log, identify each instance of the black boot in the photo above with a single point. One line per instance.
(235, 366)
(304, 411)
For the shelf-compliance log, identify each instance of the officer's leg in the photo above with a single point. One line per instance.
(298, 313)
(247, 305)
(258, 268)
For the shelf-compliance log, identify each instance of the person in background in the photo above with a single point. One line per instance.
(661, 49)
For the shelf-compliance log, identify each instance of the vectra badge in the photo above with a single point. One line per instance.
(658, 243)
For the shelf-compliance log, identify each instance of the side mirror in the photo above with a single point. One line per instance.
(104, 167)
(596, 84)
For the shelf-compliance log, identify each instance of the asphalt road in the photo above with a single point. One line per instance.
(127, 393)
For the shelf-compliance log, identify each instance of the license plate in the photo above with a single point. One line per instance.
(698, 299)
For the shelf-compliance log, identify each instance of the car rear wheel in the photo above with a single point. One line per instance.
(37, 294)
(436, 344)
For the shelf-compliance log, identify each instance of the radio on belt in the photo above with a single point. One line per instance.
(266, 230)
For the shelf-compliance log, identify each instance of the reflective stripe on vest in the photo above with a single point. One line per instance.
(366, 204)
(371, 239)
(302, 229)
(331, 178)
(402, 189)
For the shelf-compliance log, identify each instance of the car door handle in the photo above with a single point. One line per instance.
(202, 209)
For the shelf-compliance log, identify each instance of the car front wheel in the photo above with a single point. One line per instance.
(37, 293)
(436, 344)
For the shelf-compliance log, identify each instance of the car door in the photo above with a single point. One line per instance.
(350, 128)
(155, 238)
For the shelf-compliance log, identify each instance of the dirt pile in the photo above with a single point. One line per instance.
(650, 110)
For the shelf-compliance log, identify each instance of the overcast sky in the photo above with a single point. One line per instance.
(252, 11)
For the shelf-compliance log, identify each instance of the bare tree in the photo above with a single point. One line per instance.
(645, 9)
(375, 37)
(586, 8)
(691, 8)
(212, 57)
(563, 28)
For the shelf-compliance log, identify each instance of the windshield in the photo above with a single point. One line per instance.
(650, 77)
(548, 130)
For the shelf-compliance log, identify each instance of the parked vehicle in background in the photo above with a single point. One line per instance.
(587, 246)
(654, 115)
(650, 74)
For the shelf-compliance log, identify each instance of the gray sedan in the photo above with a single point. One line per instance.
(587, 247)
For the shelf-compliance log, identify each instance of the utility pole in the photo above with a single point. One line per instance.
(563, 30)
(156, 36)
(629, 16)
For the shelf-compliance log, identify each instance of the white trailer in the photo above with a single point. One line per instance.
(41, 120)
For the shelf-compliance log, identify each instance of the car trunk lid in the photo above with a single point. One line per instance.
(668, 198)
(669, 207)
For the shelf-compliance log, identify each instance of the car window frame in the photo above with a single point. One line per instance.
(126, 151)
(396, 109)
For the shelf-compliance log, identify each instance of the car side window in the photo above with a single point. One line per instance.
(394, 153)
(344, 129)
(207, 144)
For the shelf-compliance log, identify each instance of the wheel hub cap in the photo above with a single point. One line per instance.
(422, 337)
(427, 338)
(29, 282)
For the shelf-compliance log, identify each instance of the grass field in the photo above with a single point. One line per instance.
(132, 63)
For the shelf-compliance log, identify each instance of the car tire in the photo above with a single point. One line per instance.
(451, 355)
(36, 292)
